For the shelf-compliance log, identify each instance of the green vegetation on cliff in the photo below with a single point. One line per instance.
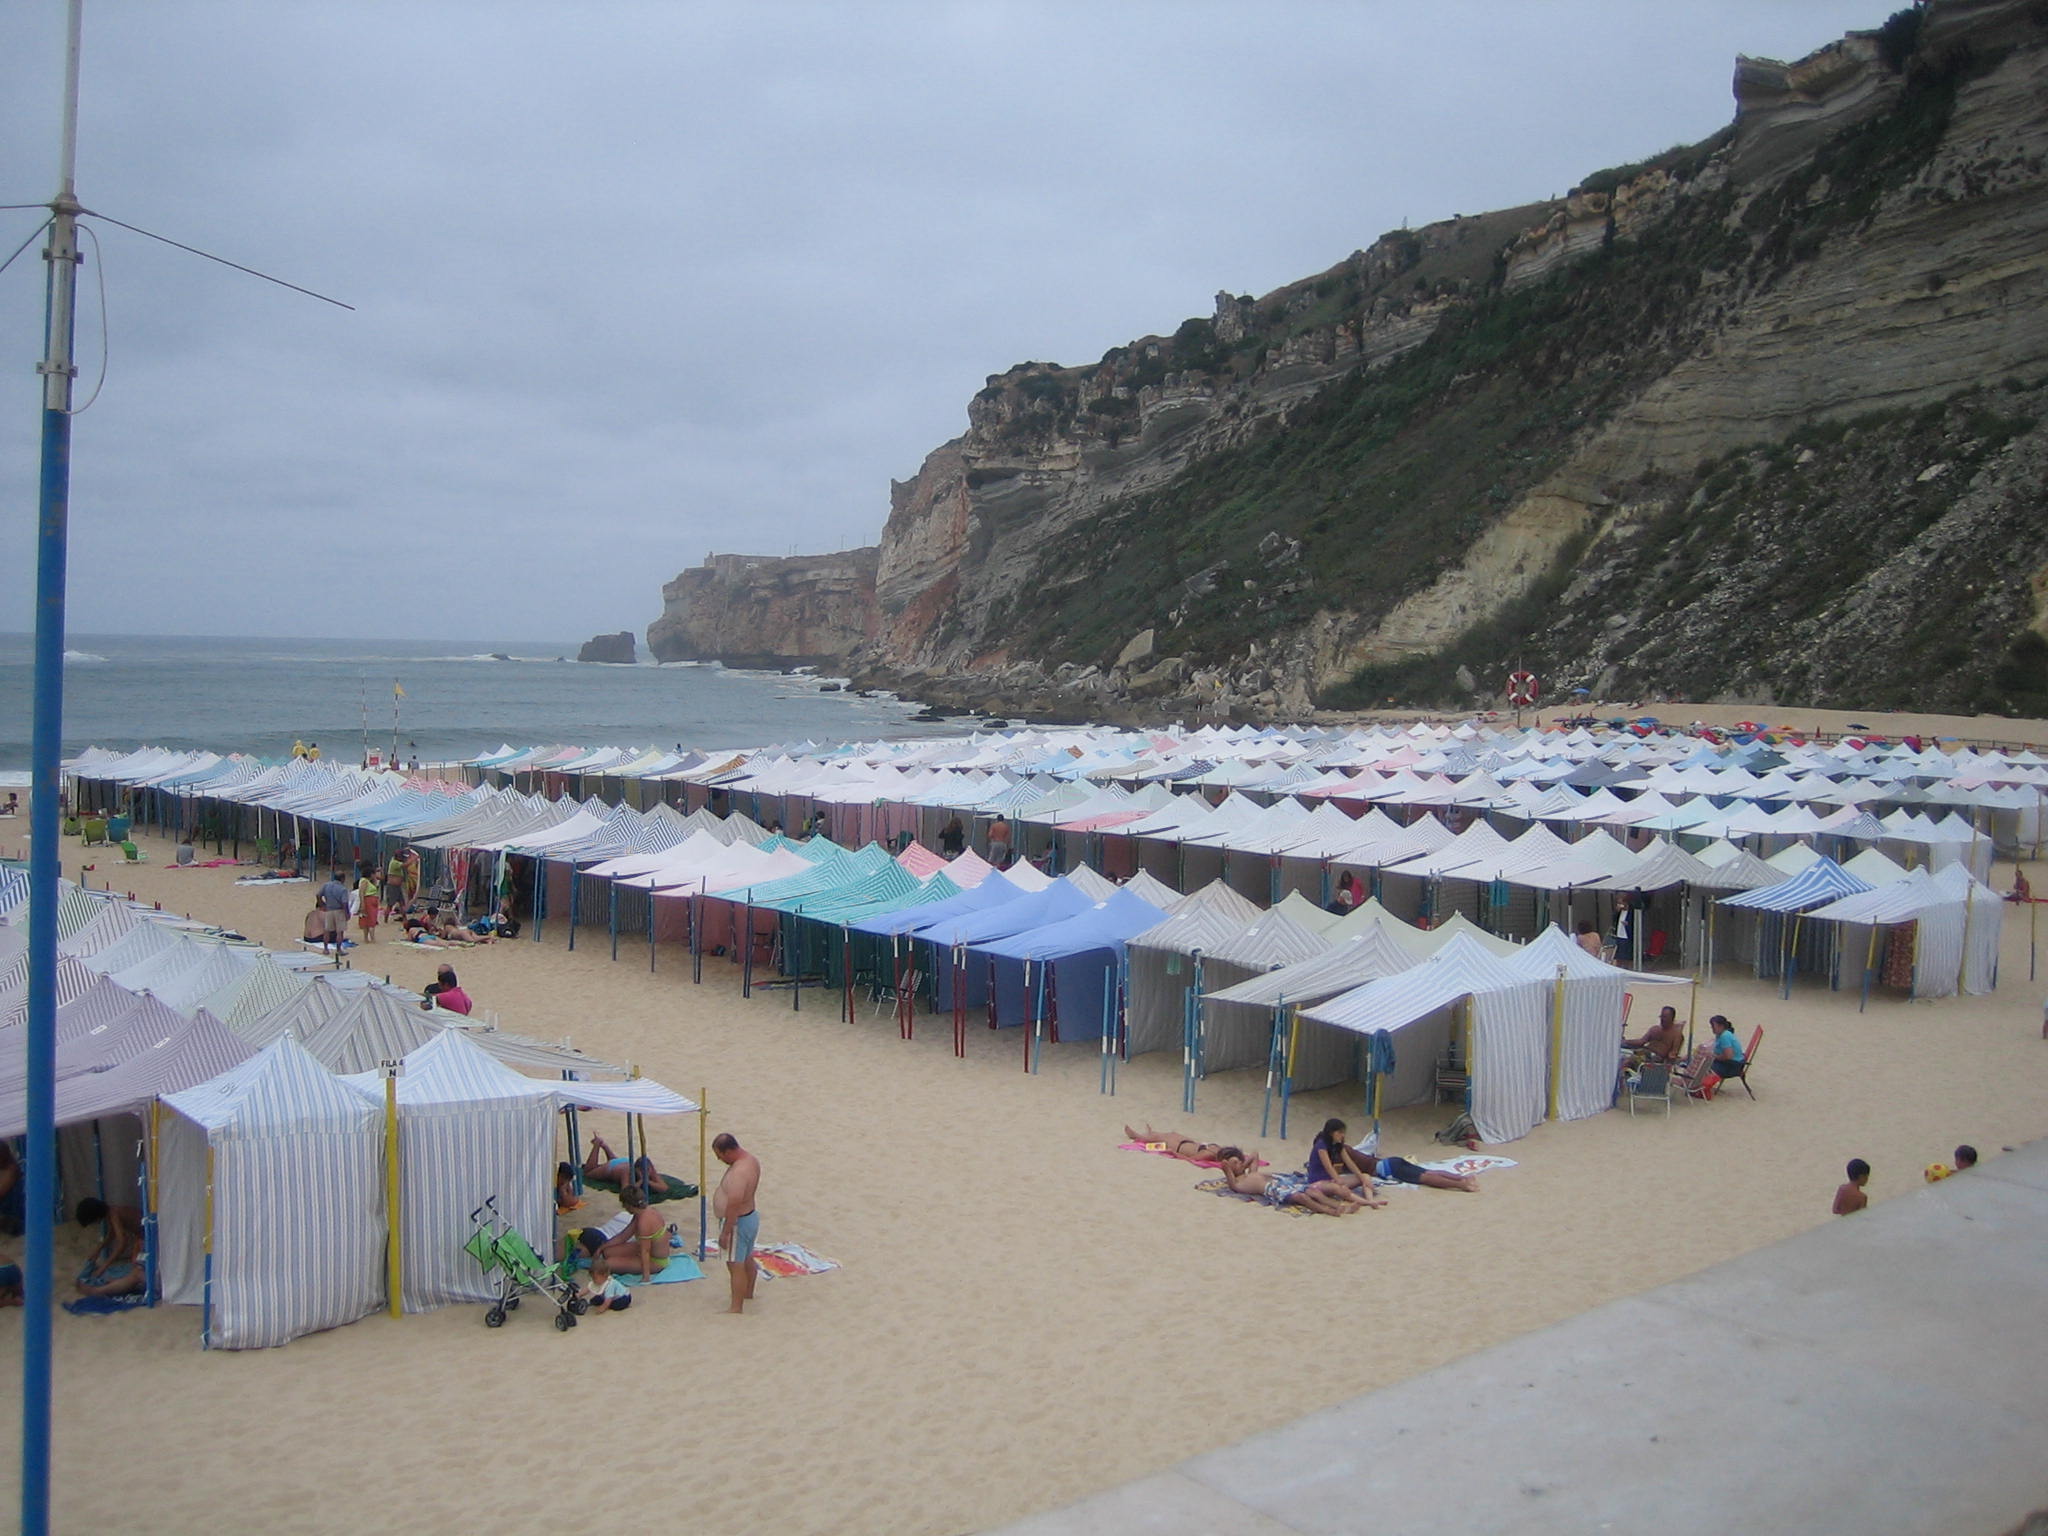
(1381, 483)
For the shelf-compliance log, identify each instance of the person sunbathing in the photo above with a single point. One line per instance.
(1173, 1144)
(1277, 1189)
(601, 1165)
(638, 1245)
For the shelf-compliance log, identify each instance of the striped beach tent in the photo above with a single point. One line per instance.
(469, 1130)
(271, 1200)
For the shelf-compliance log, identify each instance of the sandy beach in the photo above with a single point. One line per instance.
(1025, 1314)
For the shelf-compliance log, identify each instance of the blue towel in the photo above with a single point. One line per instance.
(100, 1306)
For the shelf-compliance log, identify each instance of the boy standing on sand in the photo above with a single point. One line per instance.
(739, 1221)
(1850, 1198)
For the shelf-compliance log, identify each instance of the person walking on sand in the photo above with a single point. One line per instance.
(333, 904)
(739, 1218)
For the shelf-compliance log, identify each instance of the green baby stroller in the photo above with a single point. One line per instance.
(499, 1247)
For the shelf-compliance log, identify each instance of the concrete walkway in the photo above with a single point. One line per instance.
(1885, 1373)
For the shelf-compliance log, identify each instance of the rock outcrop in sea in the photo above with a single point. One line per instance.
(617, 649)
(1759, 417)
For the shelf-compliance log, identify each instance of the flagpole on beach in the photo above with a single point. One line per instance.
(397, 693)
(46, 759)
(61, 256)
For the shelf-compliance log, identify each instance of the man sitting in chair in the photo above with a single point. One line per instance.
(1664, 1041)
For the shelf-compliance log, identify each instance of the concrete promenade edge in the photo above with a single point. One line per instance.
(1885, 1374)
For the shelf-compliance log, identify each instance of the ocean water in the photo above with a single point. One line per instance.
(259, 695)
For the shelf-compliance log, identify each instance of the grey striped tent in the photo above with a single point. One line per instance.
(276, 1165)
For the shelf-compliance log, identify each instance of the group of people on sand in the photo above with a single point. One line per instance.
(1338, 1180)
(635, 1241)
(1853, 1196)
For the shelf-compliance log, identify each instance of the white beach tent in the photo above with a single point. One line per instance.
(1466, 1000)
(1587, 1012)
(471, 1129)
(271, 1200)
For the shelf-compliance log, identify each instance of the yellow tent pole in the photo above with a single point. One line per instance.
(1692, 1011)
(703, 1167)
(1293, 1036)
(1556, 1039)
(156, 1108)
(1471, 1049)
(394, 1281)
(1969, 911)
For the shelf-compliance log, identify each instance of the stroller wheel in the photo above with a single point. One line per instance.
(495, 1318)
(579, 1305)
(564, 1322)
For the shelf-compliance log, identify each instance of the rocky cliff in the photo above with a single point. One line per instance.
(1758, 416)
(761, 610)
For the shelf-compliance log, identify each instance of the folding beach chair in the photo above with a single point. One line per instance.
(1696, 1079)
(1741, 1073)
(1651, 1084)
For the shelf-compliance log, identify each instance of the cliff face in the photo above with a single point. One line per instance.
(1485, 443)
(759, 610)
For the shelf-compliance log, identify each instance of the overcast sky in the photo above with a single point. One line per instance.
(634, 282)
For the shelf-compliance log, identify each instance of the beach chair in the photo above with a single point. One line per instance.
(1696, 1079)
(132, 853)
(1741, 1073)
(888, 994)
(95, 832)
(1650, 1084)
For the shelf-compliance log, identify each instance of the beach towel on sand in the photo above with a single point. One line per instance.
(785, 1261)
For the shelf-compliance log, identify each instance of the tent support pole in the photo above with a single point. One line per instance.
(703, 1171)
(1287, 1075)
(1272, 1066)
(149, 1216)
(615, 919)
(393, 1256)
(1870, 968)
(206, 1277)
(1556, 1039)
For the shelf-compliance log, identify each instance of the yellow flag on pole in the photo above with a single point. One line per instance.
(397, 691)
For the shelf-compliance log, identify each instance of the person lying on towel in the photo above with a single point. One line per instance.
(1332, 1158)
(1324, 1196)
(1173, 1144)
(600, 1165)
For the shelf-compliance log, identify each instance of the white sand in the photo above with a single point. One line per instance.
(1025, 1313)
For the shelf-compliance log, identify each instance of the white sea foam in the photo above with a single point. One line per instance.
(78, 656)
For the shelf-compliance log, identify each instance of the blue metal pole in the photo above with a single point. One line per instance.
(46, 763)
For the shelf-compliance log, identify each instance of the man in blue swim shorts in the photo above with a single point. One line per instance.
(739, 1220)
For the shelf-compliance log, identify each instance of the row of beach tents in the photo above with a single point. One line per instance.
(233, 1094)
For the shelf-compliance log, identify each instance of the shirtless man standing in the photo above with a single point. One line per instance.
(739, 1220)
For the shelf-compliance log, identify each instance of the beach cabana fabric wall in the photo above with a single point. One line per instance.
(469, 1130)
(1507, 1018)
(294, 1160)
(1586, 1017)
